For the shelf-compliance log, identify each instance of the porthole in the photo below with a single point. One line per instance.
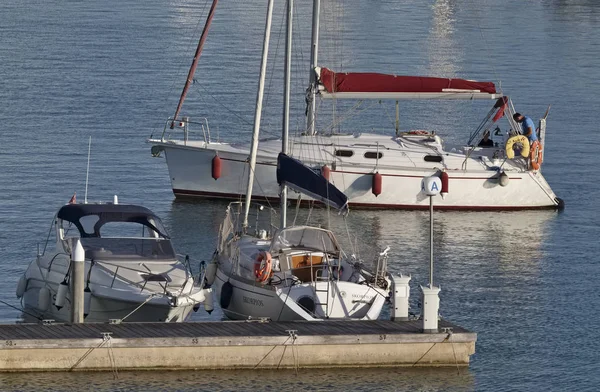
(433, 158)
(344, 153)
(373, 155)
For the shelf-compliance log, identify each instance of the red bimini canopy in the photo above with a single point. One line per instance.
(376, 85)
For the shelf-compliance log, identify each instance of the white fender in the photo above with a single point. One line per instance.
(208, 300)
(503, 179)
(43, 299)
(61, 295)
(211, 273)
(21, 286)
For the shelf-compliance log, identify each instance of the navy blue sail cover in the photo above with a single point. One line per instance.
(303, 179)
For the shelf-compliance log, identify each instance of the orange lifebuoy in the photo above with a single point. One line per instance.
(535, 155)
(262, 266)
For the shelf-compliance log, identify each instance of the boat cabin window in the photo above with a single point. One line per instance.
(128, 249)
(344, 153)
(88, 222)
(373, 155)
(433, 158)
(126, 229)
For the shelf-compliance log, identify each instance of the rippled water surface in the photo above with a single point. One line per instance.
(525, 282)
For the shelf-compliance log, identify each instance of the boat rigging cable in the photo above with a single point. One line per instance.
(192, 70)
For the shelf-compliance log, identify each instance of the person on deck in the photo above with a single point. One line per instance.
(527, 126)
(486, 141)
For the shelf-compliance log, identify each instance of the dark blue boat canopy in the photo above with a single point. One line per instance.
(104, 213)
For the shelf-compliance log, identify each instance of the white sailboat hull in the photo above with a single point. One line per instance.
(345, 300)
(476, 188)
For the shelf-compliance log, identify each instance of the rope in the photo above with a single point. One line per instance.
(157, 125)
(242, 119)
(271, 350)
(111, 358)
(432, 346)
(88, 352)
(296, 357)
(142, 304)
(21, 309)
(453, 352)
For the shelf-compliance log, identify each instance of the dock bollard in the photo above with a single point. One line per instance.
(401, 294)
(78, 262)
(430, 304)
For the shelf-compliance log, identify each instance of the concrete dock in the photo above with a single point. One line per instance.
(231, 345)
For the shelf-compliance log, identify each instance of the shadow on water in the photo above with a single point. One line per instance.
(380, 379)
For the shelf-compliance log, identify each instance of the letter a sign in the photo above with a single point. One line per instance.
(431, 185)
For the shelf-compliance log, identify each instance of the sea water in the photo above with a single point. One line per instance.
(524, 281)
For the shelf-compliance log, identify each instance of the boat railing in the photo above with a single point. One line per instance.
(188, 127)
(261, 217)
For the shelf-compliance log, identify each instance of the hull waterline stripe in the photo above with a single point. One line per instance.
(183, 193)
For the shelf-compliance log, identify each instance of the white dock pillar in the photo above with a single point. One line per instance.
(78, 263)
(400, 298)
(430, 303)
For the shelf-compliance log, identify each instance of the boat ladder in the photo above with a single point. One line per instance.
(327, 279)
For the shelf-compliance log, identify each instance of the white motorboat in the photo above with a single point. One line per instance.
(374, 170)
(131, 270)
(291, 272)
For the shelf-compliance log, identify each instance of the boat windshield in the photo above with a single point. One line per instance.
(115, 232)
(305, 237)
(128, 249)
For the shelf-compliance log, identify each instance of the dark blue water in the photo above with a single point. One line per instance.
(113, 70)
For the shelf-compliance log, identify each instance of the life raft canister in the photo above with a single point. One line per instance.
(535, 155)
(262, 266)
(521, 139)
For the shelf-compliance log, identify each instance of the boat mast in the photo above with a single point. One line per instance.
(192, 71)
(258, 111)
(286, 105)
(310, 120)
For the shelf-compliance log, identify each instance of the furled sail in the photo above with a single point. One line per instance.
(375, 85)
(301, 178)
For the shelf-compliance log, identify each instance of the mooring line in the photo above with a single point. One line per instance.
(88, 352)
(270, 351)
(22, 310)
(430, 348)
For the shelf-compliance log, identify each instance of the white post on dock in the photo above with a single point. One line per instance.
(401, 290)
(430, 300)
(78, 263)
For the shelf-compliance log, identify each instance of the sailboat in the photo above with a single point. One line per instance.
(374, 170)
(291, 273)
